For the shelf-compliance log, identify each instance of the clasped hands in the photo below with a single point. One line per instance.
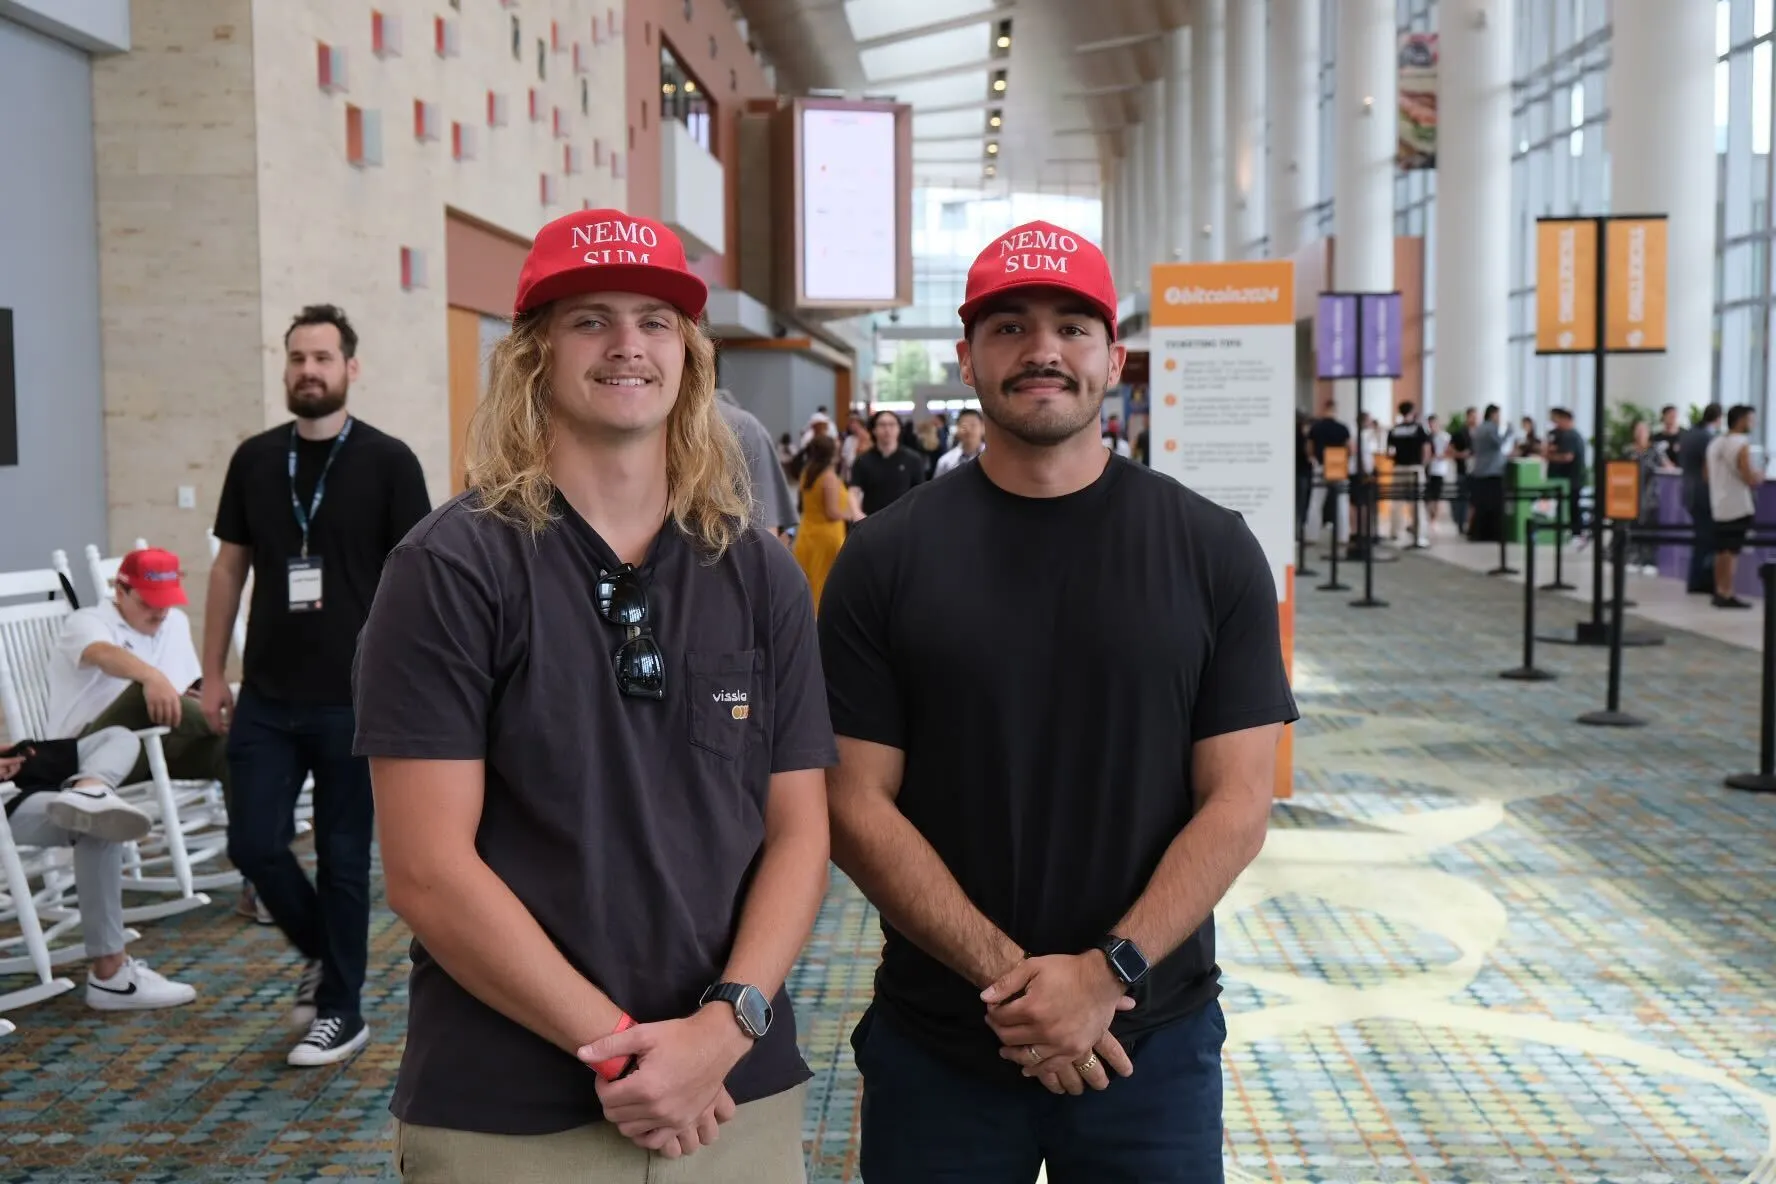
(1052, 1016)
(673, 1100)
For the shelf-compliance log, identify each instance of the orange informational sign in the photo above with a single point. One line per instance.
(1337, 463)
(1218, 294)
(1634, 304)
(1566, 285)
(1621, 491)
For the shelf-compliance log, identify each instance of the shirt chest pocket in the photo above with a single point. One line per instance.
(724, 707)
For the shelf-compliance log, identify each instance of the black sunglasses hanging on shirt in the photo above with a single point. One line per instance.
(640, 666)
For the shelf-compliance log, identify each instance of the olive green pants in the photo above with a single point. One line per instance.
(761, 1145)
(193, 751)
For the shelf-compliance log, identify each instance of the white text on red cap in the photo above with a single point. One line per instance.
(612, 231)
(1030, 251)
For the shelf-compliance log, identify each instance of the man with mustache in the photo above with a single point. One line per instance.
(311, 508)
(1044, 813)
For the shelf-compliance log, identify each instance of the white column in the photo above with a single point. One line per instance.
(1153, 130)
(1177, 102)
(1128, 215)
(1662, 161)
(1208, 130)
(1473, 209)
(1108, 197)
(1140, 209)
(1293, 84)
(1365, 123)
(1245, 128)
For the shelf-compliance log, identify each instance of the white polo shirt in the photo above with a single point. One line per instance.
(77, 694)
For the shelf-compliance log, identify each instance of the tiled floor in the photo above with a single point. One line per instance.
(1483, 944)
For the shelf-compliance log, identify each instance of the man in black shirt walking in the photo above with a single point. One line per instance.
(1409, 445)
(888, 471)
(1045, 853)
(1566, 462)
(312, 508)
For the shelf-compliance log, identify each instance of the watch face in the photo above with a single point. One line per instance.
(753, 1013)
(1127, 960)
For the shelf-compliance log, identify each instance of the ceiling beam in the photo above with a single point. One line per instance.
(991, 16)
(985, 64)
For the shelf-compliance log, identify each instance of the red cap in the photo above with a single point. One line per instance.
(153, 575)
(1041, 255)
(609, 251)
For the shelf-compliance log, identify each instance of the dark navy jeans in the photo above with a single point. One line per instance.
(924, 1120)
(272, 747)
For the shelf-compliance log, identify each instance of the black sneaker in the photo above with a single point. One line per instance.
(307, 988)
(1730, 602)
(330, 1039)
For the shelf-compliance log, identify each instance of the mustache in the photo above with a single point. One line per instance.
(1044, 372)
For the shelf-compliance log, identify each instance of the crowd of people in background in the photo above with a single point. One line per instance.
(1466, 466)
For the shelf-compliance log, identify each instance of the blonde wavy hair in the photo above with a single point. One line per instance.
(707, 489)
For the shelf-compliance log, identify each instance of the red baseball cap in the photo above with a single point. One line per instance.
(153, 575)
(609, 251)
(1041, 255)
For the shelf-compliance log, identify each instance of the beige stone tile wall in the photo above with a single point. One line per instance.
(226, 202)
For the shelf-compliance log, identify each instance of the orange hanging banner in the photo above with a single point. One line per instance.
(1621, 491)
(1634, 305)
(1566, 285)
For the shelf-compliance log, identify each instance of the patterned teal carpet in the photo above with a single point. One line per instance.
(1483, 946)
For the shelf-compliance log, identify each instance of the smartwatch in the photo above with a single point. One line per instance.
(752, 1011)
(1127, 962)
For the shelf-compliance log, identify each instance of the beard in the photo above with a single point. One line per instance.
(315, 400)
(1043, 424)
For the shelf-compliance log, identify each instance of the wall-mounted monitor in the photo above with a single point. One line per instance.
(850, 172)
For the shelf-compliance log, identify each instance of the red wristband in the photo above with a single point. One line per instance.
(617, 1066)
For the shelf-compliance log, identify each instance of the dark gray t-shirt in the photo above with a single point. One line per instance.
(628, 827)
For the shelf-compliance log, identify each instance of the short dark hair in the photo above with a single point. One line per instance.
(1711, 413)
(326, 314)
(1559, 412)
(1406, 407)
(1668, 409)
(1738, 414)
(1492, 409)
(878, 415)
(968, 413)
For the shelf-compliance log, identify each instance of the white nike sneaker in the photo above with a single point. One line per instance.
(135, 988)
(96, 811)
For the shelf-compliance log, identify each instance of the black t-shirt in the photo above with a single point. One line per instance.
(1328, 433)
(375, 493)
(628, 827)
(883, 479)
(1052, 770)
(1571, 441)
(1462, 440)
(1408, 442)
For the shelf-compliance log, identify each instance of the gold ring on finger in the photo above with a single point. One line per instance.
(1087, 1065)
(1035, 1057)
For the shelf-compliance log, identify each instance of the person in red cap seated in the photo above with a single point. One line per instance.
(591, 698)
(125, 664)
(1046, 828)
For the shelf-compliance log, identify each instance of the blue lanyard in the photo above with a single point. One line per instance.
(304, 517)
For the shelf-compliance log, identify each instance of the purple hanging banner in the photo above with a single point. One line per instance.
(1381, 335)
(1335, 336)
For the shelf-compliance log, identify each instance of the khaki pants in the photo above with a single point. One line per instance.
(762, 1145)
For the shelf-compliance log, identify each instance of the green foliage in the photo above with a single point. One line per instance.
(1619, 427)
(910, 369)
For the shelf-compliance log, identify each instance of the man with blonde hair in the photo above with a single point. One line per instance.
(592, 701)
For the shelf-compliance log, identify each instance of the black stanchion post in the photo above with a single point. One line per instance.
(1302, 570)
(1368, 599)
(1612, 716)
(1528, 671)
(1504, 568)
(1417, 543)
(1332, 584)
(1561, 533)
(1764, 780)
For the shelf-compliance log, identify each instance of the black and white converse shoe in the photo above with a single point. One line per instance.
(308, 987)
(330, 1039)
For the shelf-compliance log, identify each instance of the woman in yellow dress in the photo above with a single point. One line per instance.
(825, 509)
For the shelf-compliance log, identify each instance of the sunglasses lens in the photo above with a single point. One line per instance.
(641, 668)
(621, 599)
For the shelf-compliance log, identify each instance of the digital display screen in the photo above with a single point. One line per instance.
(850, 205)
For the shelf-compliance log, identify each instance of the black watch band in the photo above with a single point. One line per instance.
(752, 1011)
(1126, 960)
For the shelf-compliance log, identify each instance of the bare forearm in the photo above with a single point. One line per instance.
(484, 937)
(117, 662)
(779, 911)
(221, 606)
(898, 870)
(1194, 874)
